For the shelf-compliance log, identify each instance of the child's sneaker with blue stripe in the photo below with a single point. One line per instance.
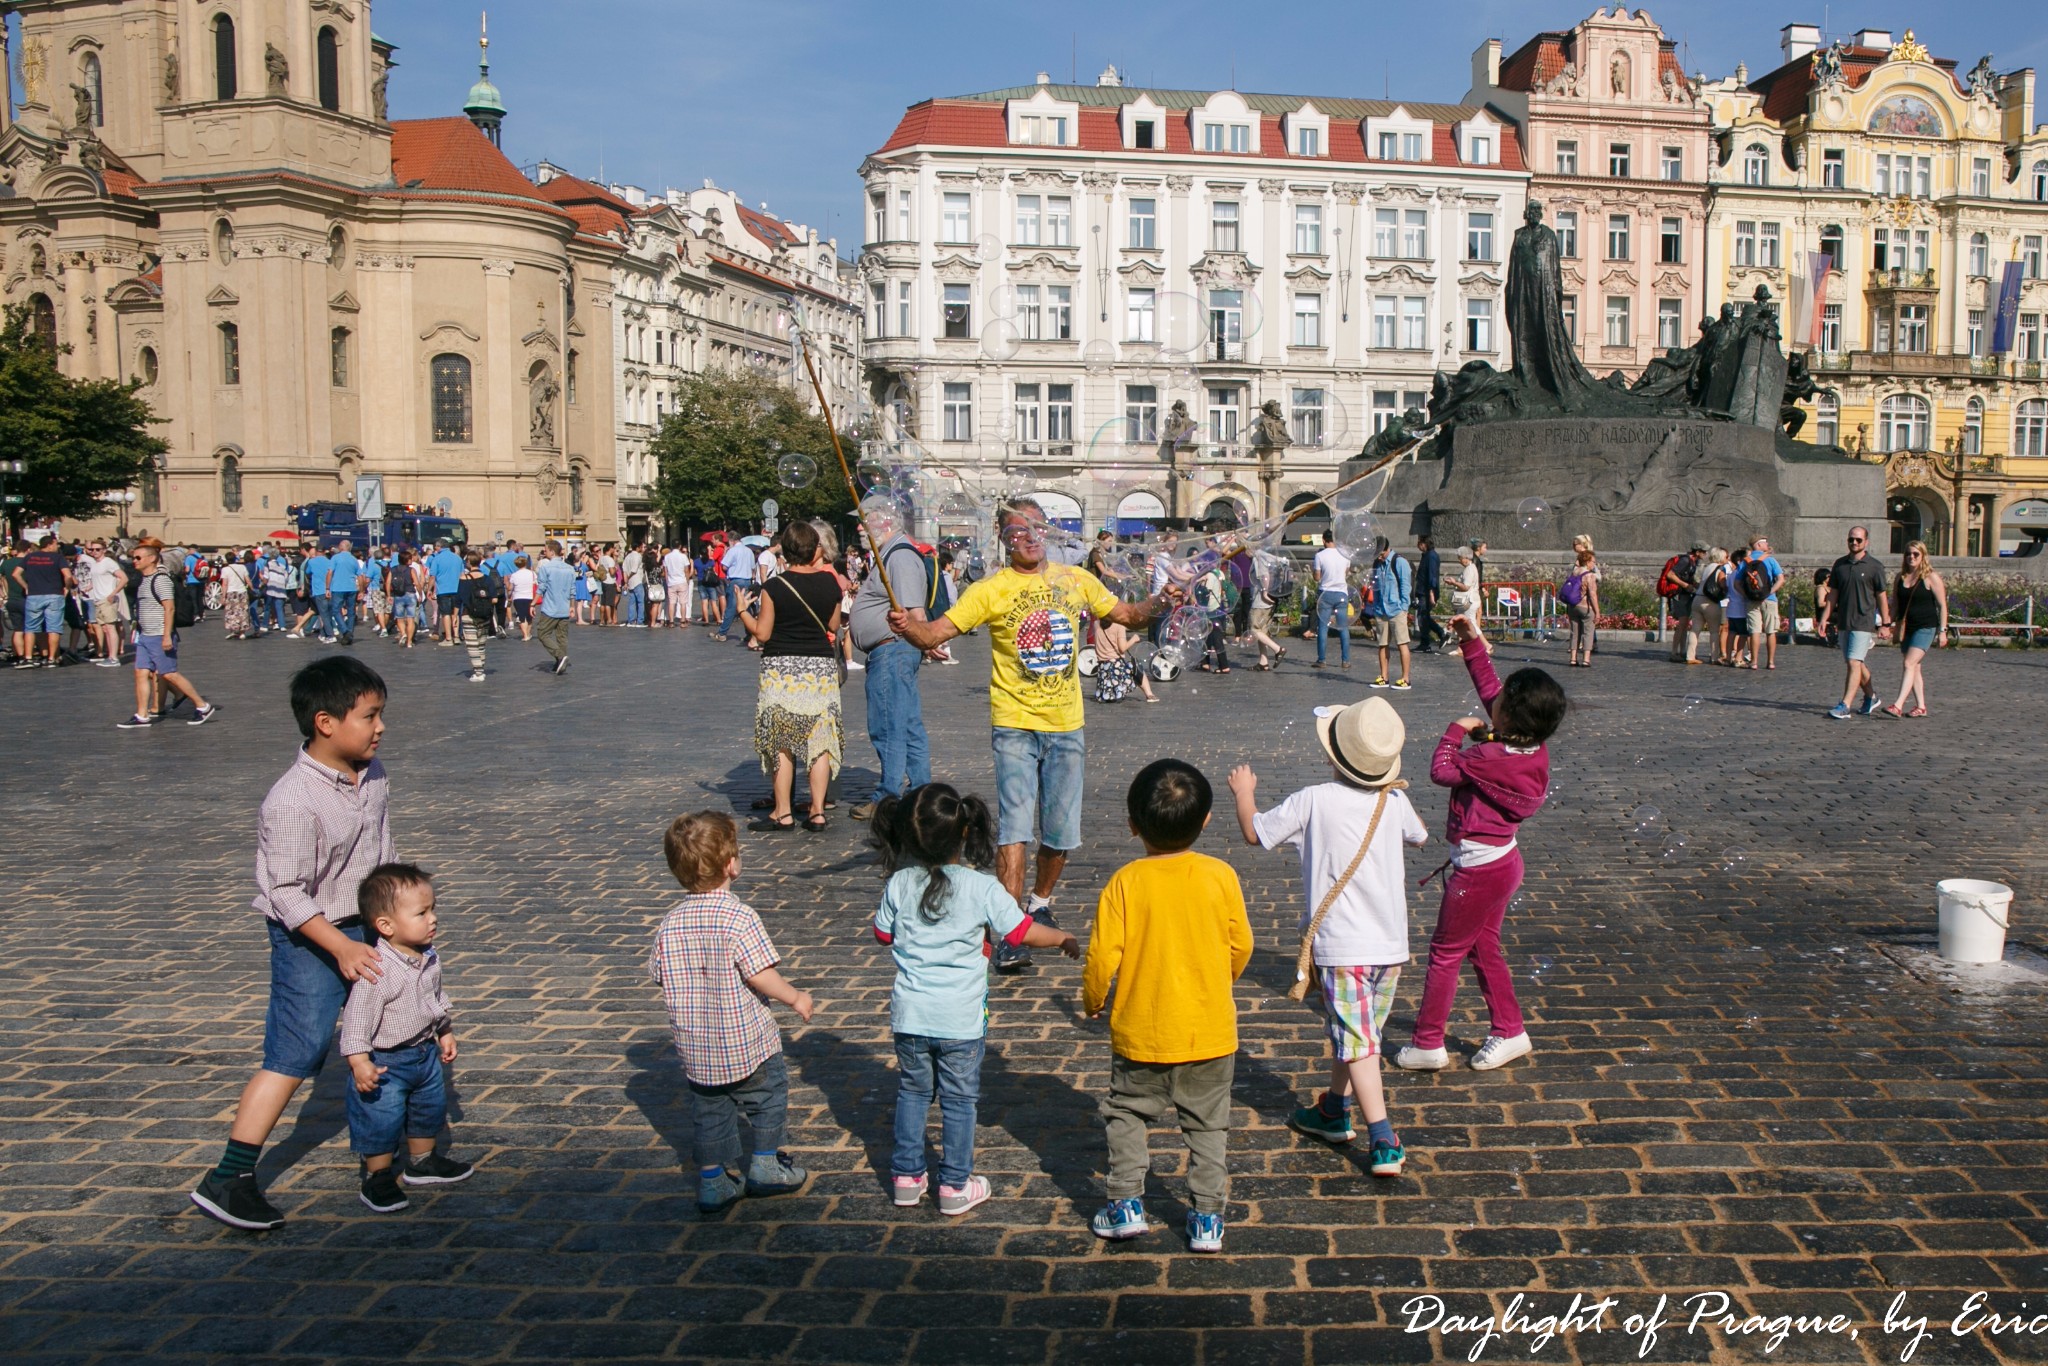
(1121, 1219)
(1205, 1232)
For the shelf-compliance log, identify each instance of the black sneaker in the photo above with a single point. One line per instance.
(562, 665)
(235, 1201)
(435, 1169)
(1012, 957)
(137, 721)
(203, 715)
(381, 1192)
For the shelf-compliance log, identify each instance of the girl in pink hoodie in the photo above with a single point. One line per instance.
(1498, 771)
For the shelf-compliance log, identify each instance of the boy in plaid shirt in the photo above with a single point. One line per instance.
(717, 974)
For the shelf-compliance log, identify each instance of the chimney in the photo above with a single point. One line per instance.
(1109, 76)
(1798, 40)
(1045, 78)
(1873, 37)
(1486, 65)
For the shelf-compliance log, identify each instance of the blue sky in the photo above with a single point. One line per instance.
(780, 99)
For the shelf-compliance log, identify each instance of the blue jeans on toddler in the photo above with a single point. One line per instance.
(411, 1100)
(715, 1110)
(951, 1068)
(307, 992)
(1333, 609)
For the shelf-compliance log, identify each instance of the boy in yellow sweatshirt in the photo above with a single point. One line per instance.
(1171, 932)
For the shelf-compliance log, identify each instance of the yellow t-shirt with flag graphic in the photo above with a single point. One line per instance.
(1034, 625)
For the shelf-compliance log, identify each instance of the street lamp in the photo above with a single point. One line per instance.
(9, 501)
(122, 499)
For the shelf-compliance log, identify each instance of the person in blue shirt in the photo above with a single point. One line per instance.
(319, 572)
(1763, 628)
(446, 567)
(345, 573)
(554, 588)
(504, 562)
(1393, 589)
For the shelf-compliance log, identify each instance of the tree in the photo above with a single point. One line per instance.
(78, 440)
(716, 460)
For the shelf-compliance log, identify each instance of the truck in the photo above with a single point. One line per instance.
(327, 524)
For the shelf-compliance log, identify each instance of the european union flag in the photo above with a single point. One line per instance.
(2006, 330)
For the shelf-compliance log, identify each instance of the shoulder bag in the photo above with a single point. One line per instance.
(1306, 958)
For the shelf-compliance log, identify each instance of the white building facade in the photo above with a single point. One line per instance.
(1050, 270)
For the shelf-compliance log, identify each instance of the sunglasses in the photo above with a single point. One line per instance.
(1855, 540)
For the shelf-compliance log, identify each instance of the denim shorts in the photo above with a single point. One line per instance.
(1038, 781)
(411, 1101)
(307, 992)
(152, 657)
(406, 607)
(1922, 639)
(1856, 644)
(45, 614)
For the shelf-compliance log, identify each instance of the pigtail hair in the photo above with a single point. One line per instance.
(978, 833)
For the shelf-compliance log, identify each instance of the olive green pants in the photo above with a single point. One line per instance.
(1140, 1094)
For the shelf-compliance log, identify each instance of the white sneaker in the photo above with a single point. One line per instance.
(477, 677)
(1496, 1051)
(1422, 1059)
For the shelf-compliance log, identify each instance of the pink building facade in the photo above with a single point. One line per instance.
(1616, 139)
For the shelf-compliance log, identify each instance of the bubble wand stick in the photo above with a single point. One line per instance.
(846, 473)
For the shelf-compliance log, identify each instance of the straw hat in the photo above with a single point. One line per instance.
(1364, 740)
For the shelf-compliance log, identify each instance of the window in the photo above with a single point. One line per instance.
(1745, 242)
(1568, 157)
(1617, 237)
(1923, 176)
(1389, 147)
(1479, 324)
(1059, 312)
(1568, 234)
(569, 377)
(146, 366)
(959, 300)
(1881, 257)
(1827, 420)
(1671, 241)
(1415, 234)
(1619, 332)
(450, 398)
(1308, 412)
(1226, 415)
(1226, 323)
(1921, 255)
(1212, 137)
(230, 354)
(337, 357)
(2041, 182)
(2030, 428)
(223, 57)
(1415, 324)
(1479, 149)
(1975, 333)
(1913, 328)
(1027, 221)
(2029, 340)
(1902, 422)
(880, 295)
(1770, 243)
(152, 491)
(1980, 254)
(2030, 255)
(1400, 146)
(1386, 229)
(1670, 323)
(1617, 160)
(1030, 318)
(1411, 146)
(1025, 408)
(1141, 413)
(1478, 237)
(956, 220)
(1756, 165)
(1973, 427)
(42, 320)
(1141, 134)
(903, 308)
(1881, 174)
(1226, 137)
(1059, 412)
(1386, 406)
(1831, 245)
(230, 484)
(1308, 229)
(1223, 226)
(1980, 177)
(1385, 320)
(1059, 221)
(957, 412)
(1568, 305)
(1309, 142)
(95, 90)
(1880, 331)
(1671, 163)
(657, 348)
(1833, 168)
(878, 217)
(903, 215)
(1308, 320)
(327, 62)
(1145, 223)
(1141, 314)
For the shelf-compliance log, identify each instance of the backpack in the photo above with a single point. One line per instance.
(1756, 582)
(936, 599)
(1716, 586)
(182, 604)
(494, 584)
(1671, 583)
(1572, 591)
(476, 598)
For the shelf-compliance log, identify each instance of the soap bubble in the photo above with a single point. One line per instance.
(1164, 666)
(1355, 531)
(1003, 302)
(1098, 356)
(795, 470)
(1183, 377)
(1183, 323)
(1645, 818)
(1734, 859)
(1674, 845)
(764, 406)
(1001, 340)
(1533, 514)
(1693, 702)
(884, 515)
(1274, 575)
(988, 247)
(1186, 633)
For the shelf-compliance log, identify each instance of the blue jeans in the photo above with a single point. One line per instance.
(715, 1111)
(952, 1069)
(307, 992)
(1038, 781)
(896, 717)
(323, 609)
(411, 1101)
(636, 606)
(279, 621)
(732, 607)
(343, 608)
(1333, 607)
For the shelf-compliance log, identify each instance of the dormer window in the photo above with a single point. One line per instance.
(1142, 134)
(1042, 130)
(1308, 142)
(1226, 137)
(1400, 147)
(1479, 149)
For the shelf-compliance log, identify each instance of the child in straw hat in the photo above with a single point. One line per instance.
(1351, 832)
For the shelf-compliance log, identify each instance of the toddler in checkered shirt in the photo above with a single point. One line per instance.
(717, 973)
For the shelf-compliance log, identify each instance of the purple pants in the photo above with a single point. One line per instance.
(1468, 925)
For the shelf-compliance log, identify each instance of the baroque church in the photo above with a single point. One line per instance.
(208, 197)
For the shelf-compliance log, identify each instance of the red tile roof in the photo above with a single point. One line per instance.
(120, 183)
(1537, 62)
(597, 211)
(451, 159)
(769, 229)
(1785, 91)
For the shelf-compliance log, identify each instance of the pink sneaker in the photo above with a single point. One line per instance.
(960, 1199)
(909, 1189)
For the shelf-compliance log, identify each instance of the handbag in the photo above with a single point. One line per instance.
(1298, 989)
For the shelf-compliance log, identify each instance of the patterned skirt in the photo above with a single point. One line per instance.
(376, 603)
(237, 618)
(798, 712)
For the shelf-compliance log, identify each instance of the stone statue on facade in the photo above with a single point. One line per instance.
(1799, 386)
(1617, 75)
(171, 76)
(377, 106)
(1983, 80)
(1545, 359)
(276, 68)
(1827, 65)
(542, 427)
(1179, 428)
(81, 108)
(1269, 432)
(1566, 81)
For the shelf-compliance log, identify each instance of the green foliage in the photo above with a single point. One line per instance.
(714, 454)
(79, 439)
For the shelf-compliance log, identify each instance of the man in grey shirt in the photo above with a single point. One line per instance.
(895, 709)
(1853, 602)
(156, 642)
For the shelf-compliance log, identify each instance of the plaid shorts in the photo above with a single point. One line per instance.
(1356, 1003)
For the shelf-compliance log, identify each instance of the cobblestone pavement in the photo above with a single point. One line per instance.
(1747, 1082)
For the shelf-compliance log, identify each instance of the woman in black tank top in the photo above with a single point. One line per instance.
(796, 715)
(1920, 611)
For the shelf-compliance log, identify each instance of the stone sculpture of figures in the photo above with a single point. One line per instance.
(1799, 386)
(81, 107)
(1179, 426)
(1983, 80)
(1269, 433)
(377, 106)
(1545, 359)
(1617, 74)
(1827, 65)
(275, 66)
(543, 426)
(1566, 81)
(171, 76)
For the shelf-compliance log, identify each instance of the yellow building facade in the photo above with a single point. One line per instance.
(1920, 183)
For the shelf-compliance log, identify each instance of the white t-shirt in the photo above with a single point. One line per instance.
(1332, 565)
(521, 583)
(1368, 925)
(636, 577)
(676, 565)
(106, 577)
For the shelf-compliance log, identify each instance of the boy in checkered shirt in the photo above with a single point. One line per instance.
(717, 973)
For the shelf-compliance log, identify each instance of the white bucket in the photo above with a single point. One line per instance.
(1974, 918)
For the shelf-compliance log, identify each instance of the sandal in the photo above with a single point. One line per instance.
(1917, 711)
(771, 824)
(1892, 711)
(1262, 668)
(1279, 654)
(815, 823)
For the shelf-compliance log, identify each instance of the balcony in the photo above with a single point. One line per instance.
(1898, 279)
(1217, 351)
(1897, 363)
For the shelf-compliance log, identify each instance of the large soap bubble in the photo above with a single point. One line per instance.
(1645, 818)
(1098, 356)
(1355, 531)
(884, 516)
(1274, 574)
(1183, 323)
(1002, 339)
(795, 470)
(1185, 634)
(988, 247)
(1003, 301)
(1533, 515)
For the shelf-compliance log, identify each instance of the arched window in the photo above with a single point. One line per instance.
(230, 354)
(1756, 164)
(337, 249)
(337, 357)
(569, 377)
(575, 490)
(1980, 254)
(42, 320)
(450, 379)
(327, 50)
(1902, 423)
(230, 484)
(223, 241)
(2030, 428)
(95, 89)
(1827, 420)
(2041, 182)
(223, 57)
(152, 490)
(1831, 244)
(146, 366)
(1973, 427)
